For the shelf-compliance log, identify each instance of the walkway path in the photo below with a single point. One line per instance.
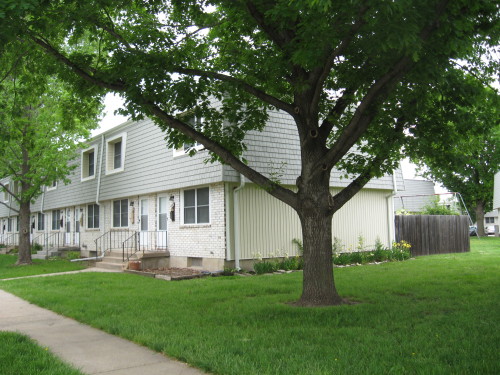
(86, 348)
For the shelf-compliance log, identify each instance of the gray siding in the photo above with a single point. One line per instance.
(149, 166)
(417, 194)
(277, 150)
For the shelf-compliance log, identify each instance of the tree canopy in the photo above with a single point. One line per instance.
(43, 122)
(465, 154)
(350, 74)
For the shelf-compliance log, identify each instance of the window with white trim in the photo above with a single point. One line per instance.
(56, 219)
(5, 193)
(41, 221)
(93, 216)
(52, 186)
(115, 153)
(196, 122)
(9, 224)
(490, 220)
(88, 164)
(196, 206)
(16, 188)
(120, 213)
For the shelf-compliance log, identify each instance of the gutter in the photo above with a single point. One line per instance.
(237, 239)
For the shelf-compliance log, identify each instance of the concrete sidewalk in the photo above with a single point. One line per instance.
(86, 348)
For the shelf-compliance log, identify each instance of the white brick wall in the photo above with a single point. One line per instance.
(203, 240)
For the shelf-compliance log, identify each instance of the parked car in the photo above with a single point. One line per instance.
(472, 230)
(490, 229)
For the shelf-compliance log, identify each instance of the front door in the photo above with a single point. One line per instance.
(67, 236)
(161, 240)
(144, 223)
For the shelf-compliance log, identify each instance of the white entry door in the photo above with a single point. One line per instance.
(144, 223)
(67, 236)
(161, 241)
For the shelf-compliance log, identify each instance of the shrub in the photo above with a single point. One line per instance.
(36, 247)
(435, 208)
(341, 259)
(400, 251)
(299, 244)
(355, 258)
(73, 255)
(265, 267)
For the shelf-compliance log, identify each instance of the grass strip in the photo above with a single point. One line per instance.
(21, 355)
(432, 315)
(8, 268)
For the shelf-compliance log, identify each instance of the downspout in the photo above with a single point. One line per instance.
(237, 239)
(100, 172)
(390, 210)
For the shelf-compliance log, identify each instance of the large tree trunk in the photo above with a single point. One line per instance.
(24, 256)
(480, 218)
(316, 219)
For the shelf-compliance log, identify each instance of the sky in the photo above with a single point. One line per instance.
(112, 102)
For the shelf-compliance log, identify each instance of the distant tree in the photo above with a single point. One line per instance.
(436, 208)
(463, 153)
(349, 73)
(42, 123)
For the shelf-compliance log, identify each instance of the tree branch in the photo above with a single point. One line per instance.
(373, 99)
(283, 194)
(9, 207)
(369, 172)
(269, 99)
(337, 110)
(321, 74)
(279, 38)
(114, 86)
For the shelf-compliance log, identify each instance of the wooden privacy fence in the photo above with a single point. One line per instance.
(433, 234)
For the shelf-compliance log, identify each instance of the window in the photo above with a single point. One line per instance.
(88, 163)
(56, 219)
(115, 151)
(120, 213)
(9, 224)
(52, 186)
(5, 193)
(490, 220)
(196, 206)
(41, 221)
(196, 122)
(93, 216)
(16, 188)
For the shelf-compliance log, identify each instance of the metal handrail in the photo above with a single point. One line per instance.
(134, 237)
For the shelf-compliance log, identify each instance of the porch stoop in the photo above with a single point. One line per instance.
(113, 260)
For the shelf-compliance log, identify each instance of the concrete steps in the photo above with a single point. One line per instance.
(112, 261)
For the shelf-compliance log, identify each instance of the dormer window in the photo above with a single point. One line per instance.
(52, 186)
(89, 163)
(196, 122)
(115, 151)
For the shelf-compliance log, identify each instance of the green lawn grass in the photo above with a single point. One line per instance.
(432, 315)
(19, 355)
(8, 268)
